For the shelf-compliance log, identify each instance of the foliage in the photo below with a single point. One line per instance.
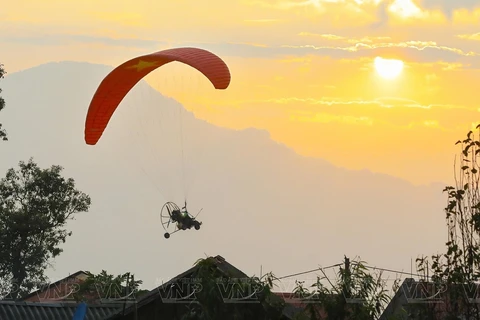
(356, 294)
(3, 133)
(104, 286)
(212, 302)
(35, 205)
(459, 268)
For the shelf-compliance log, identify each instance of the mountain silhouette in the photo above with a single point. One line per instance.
(263, 204)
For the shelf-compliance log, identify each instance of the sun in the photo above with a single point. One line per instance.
(388, 68)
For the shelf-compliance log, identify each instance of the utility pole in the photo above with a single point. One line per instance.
(347, 266)
(347, 281)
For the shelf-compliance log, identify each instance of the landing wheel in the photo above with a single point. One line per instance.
(166, 235)
(197, 226)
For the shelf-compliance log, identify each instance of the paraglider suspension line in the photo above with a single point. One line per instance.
(183, 156)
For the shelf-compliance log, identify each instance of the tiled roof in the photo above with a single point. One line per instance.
(53, 285)
(10, 310)
(294, 306)
(221, 264)
(432, 295)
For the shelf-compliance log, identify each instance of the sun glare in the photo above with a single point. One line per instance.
(388, 68)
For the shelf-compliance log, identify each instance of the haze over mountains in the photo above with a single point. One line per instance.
(263, 204)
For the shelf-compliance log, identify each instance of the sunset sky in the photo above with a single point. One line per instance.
(303, 70)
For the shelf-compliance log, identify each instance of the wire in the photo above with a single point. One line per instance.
(396, 271)
(353, 262)
(309, 271)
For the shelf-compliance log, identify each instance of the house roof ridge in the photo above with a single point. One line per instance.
(73, 275)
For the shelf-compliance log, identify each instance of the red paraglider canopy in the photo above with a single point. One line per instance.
(122, 79)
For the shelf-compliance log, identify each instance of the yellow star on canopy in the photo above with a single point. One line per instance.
(143, 65)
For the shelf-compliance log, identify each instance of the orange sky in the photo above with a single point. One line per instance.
(303, 70)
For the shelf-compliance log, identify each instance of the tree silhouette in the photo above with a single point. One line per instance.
(3, 133)
(355, 294)
(35, 205)
(458, 269)
(107, 287)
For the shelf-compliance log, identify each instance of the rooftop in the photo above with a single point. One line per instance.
(21, 310)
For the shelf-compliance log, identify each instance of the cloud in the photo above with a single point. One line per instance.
(449, 6)
(377, 13)
(406, 9)
(343, 39)
(285, 4)
(348, 48)
(262, 21)
(319, 4)
(130, 19)
(64, 39)
(431, 78)
(415, 51)
(418, 45)
(327, 118)
(390, 111)
(473, 36)
(384, 102)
